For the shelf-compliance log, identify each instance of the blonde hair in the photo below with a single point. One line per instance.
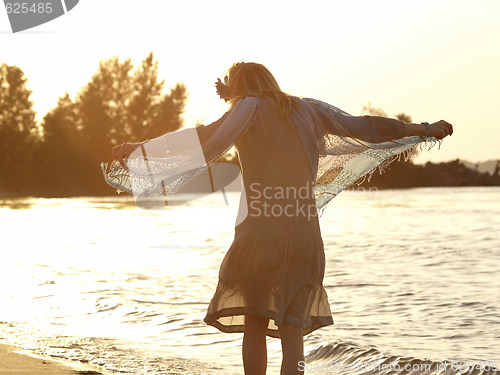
(252, 79)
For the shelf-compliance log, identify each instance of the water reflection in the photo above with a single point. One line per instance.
(103, 269)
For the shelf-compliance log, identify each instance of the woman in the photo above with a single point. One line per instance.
(295, 155)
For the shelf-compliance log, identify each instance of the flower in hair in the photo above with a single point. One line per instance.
(222, 89)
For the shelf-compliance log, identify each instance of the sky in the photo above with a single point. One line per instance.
(432, 59)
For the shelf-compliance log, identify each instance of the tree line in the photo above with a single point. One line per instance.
(60, 155)
(403, 173)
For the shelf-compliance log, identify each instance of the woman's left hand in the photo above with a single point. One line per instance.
(123, 151)
(441, 129)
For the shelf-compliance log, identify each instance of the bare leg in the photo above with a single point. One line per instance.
(292, 345)
(254, 345)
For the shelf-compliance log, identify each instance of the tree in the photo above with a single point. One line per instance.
(403, 117)
(149, 112)
(61, 165)
(369, 109)
(17, 128)
(119, 104)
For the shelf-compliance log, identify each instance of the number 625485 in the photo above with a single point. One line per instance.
(25, 8)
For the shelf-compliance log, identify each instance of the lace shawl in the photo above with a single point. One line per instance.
(342, 149)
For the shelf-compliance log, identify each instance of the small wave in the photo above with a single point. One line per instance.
(355, 285)
(347, 358)
(106, 355)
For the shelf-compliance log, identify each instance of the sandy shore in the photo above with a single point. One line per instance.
(12, 363)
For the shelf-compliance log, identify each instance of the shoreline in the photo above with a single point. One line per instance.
(14, 360)
(11, 196)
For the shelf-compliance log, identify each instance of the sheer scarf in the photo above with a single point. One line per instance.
(341, 149)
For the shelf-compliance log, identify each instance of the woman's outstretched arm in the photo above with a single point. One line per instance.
(156, 147)
(395, 129)
(205, 131)
(372, 129)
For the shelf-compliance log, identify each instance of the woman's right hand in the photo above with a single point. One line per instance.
(441, 129)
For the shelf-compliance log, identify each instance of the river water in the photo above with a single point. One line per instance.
(412, 278)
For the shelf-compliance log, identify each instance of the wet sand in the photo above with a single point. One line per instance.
(13, 363)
